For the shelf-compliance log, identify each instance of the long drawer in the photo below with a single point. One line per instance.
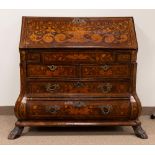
(79, 109)
(95, 88)
(77, 57)
(90, 56)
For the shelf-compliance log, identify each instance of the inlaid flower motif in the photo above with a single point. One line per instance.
(96, 37)
(109, 38)
(78, 34)
(48, 38)
(50, 30)
(123, 38)
(34, 37)
(59, 37)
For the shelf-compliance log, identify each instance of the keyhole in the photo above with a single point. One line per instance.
(105, 109)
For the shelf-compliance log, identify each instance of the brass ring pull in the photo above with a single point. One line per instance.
(51, 87)
(106, 88)
(105, 109)
(105, 67)
(52, 67)
(53, 109)
(78, 104)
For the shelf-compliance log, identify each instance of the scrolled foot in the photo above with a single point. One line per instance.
(139, 132)
(152, 116)
(16, 132)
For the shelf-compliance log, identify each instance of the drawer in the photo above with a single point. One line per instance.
(79, 109)
(33, 57)
(77, 57)
(99, 56)
(107, 70)
(123, 56)
(85, 88)
(34, 70)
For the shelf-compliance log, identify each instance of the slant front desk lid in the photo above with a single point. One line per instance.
(82, 32)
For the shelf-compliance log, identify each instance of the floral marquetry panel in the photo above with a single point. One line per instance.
(99, 32)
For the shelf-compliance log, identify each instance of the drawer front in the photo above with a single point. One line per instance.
(77, 57)
(123, 57)
(107, 70)
(95, 88)
(110, 109)
(33, 57)
(51, 71)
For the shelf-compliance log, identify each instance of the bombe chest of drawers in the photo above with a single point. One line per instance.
(78, 72)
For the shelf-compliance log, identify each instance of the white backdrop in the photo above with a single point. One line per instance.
(10, 25)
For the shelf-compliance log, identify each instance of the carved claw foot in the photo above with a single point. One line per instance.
(152, 116)
(16, 132)
(139, 132)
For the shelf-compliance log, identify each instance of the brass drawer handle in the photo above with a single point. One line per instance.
(105, 67)
(52, 67)
(78, 104)
(105, 109)
(78, 84)
(53, 109)
(106, 88)
(52, 87)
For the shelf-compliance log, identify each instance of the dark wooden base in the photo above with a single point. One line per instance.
(76, 123)
(152, 116)
(17, 131)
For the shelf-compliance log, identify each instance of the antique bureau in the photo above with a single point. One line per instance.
(78, 72)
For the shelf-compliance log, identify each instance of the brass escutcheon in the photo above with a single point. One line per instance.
(52, 67)
(78, 21)
(53, 109)
(106, 87)
(51, 87)
(105, 67)
(78, 104)
(105, 109)
(78, 84)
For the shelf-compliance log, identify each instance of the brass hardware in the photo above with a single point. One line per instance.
(78, 84)
(52, 87)
(105, 109)
(52, 67)
(53, 109)
(106, 88)
(105, 67)
(78, 21)
(78, 104)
